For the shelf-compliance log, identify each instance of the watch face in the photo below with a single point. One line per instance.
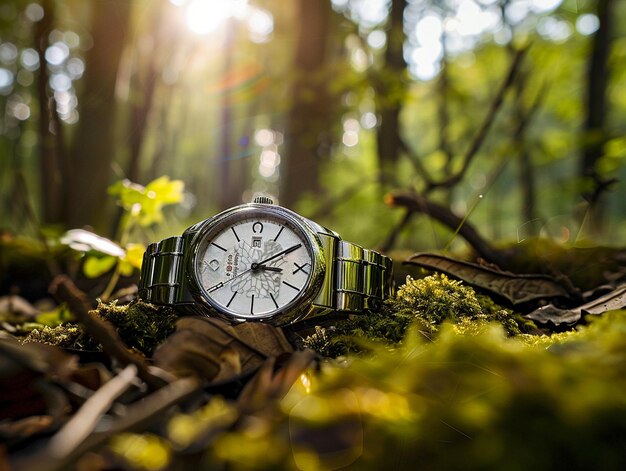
(255, 262)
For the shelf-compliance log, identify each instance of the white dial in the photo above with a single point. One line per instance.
(254, 266)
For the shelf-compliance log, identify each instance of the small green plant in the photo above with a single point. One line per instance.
(143, 207)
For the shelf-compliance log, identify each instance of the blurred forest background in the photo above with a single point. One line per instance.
(394, 122)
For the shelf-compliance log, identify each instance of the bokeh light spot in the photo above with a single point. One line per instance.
(30, 59)
(6, 78)
(34, 12)
(57, 53)
(587, 24)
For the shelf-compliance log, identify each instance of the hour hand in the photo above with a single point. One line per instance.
(266, 268)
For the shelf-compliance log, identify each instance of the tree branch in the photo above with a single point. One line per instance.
(416, 203)
(483, 130)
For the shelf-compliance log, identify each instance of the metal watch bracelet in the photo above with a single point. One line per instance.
(357, 279)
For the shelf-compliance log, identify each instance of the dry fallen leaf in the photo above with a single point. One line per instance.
(212, 349)
(517, 289)
(616, 299)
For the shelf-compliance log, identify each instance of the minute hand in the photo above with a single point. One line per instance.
(284, 252)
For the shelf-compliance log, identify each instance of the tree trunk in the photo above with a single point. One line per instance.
(233, 170)
(94, 146)
(310, 118)
(51, 168)
(526, 168)
(594, 134)
(391, 88)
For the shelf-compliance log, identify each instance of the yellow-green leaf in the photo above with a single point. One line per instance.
(97, 266)
(134, 254)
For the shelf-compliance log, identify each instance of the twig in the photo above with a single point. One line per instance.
(443, 86)
(483, 130)
(137, 417)
(83, 422)
(64, 288)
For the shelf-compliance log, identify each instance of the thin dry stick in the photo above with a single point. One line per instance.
(137, 417)
(82, 424)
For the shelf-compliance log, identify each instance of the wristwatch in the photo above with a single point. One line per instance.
(260, 261)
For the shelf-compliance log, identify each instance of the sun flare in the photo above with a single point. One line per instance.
(205, 16)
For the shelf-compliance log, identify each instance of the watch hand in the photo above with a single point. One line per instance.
(222, 283)
(255, 266)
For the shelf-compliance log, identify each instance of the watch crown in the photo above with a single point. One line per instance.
(263, 200)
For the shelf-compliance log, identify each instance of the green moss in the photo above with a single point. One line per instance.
(424, 303)
(140, 325)
(67, 335)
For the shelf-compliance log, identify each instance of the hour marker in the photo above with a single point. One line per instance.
(273, 299)
(231, 299)
(214, 264)
(218, 246)
(252, 305)
(291, 286)
(300, 268)
(236, 236)
(277, 235)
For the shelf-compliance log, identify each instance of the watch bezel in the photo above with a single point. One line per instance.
(287, 313)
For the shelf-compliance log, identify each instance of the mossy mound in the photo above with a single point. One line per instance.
(69, 335)
(141, 326)
(424, 303)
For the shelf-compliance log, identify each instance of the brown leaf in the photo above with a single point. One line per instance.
(616, 299)
(230, 364)
(517, 289)
(212, 349)
(269, 385)
(28, 374)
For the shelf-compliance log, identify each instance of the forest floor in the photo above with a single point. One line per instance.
(467, 366)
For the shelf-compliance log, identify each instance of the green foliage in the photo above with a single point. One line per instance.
(57, 316)
(145, 203)
(97, 265)
(478, 401)
(436, 298)
(94, 266)
(143, 207)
